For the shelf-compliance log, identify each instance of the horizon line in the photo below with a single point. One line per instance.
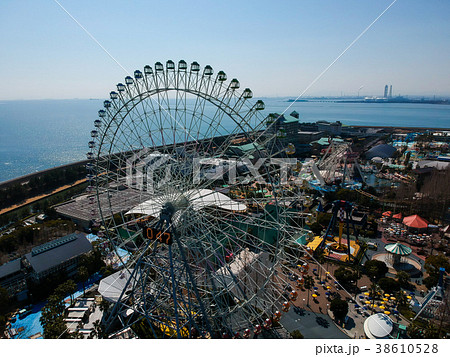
(440, 96)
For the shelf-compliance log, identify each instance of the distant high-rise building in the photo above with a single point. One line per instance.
(385, 91)
(390, 91)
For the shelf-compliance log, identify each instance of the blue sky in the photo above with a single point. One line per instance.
(274, 47)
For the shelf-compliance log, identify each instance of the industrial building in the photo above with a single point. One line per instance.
(13, 279)
(82, 210)
(59, 255)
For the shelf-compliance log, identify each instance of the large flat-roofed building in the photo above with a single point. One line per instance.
(306, 137)
(59, 255)
(329, 128)
(13, 279)
(83, 209)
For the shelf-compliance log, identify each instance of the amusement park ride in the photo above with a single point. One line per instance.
(342, 212)
(202, 264)
(337, 168)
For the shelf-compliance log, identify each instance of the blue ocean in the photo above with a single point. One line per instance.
(40, 134)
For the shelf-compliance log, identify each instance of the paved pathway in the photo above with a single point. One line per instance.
(319, 306)
(311, 324)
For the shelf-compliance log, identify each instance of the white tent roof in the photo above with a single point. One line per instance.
(243, 260)
(112, 286)
(378, 326)
(377, 159)
(198, 198)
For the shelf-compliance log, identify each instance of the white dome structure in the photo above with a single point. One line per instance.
(378, 326)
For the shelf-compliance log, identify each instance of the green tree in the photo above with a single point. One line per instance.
(389, 285)
(65, 289)
(339, 308)
(106, 271)
(374, 293)
(347, 195)
(434, 262)
(83, 275)
(98, 329)
(52, 318)
(432, 265)
(403, 279)
(375, 269)
(401, 298)
(431, 330)
(4, 300)
(308, 284)
(346, 277)
(92, 261)
(104, 306)
(430, 281)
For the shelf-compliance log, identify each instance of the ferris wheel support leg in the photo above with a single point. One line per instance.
(114, 312)
(194, 286)
(174, 287)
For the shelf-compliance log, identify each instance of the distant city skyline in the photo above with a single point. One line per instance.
(275, 48)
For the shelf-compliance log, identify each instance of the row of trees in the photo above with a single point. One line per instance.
(39, 184)
(429, 196)
(52, 318)
(23, 238)
(432, 265)
(43, 205)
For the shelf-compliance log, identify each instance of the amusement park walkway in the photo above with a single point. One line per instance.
(311, 324)
(314, 320)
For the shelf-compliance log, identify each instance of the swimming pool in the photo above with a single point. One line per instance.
(31, 326)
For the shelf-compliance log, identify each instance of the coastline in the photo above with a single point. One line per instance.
(25, 178)
(40, 197)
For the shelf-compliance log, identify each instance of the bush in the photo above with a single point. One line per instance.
(345, 276)
(389, 285)
(375, 269)
(296, 334)
(403, 279)
(339, 308)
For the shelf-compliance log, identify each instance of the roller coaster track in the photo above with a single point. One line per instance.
(368, 195)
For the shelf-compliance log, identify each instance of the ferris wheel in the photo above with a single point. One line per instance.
(188, 182)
